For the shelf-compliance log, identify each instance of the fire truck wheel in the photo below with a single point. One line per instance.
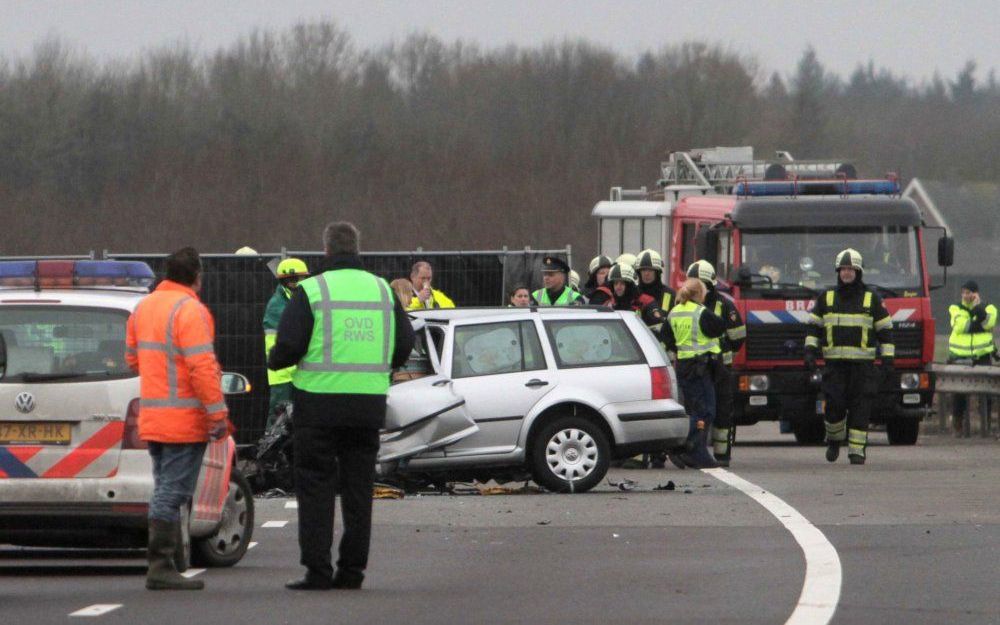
(809, 431)
(903, 431)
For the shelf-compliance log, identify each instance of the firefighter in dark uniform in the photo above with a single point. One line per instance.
(851, 325)
(649, 266)
(556, 290)
(723, 428)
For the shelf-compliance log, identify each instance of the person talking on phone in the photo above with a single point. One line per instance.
(425, 296)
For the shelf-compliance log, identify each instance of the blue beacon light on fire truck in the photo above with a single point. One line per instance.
(773, 188)
(68, 274)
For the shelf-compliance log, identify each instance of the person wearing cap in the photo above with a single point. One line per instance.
(849, 326)
(555, 290)
(424, 296)
(689, 332)
(724, 426)
(971, 341)
(289, 272)
(599, 266)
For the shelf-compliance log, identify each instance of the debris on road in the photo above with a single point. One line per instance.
(668, 486)
(624, 485)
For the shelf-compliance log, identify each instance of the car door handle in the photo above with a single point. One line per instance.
(536, 383)
(441, 383)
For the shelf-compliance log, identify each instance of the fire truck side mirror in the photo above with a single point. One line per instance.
(744, 277)
(946, 251)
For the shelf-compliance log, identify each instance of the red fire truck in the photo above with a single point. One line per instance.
(772, 229)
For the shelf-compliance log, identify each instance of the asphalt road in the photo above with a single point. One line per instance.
(916, 532)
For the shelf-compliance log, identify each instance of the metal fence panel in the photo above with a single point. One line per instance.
(237, 288)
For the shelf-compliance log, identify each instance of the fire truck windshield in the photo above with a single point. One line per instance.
(805, 257)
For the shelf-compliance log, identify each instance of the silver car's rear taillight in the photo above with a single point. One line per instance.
(131, 438)
(659, 379)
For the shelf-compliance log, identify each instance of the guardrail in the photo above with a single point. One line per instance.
(978, 380)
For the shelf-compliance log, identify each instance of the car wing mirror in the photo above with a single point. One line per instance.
(235, 384)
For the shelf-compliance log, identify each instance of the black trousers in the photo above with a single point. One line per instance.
(849, 388)
(330, 460)
(723, 428)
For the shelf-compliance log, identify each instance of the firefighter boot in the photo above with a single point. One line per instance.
(835, 435)
(857, 440)
(721, 445)
(162, 573)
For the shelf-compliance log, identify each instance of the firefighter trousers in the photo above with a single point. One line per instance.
(849, 388)
(723, 428)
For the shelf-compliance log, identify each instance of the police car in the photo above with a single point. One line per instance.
(73, 471)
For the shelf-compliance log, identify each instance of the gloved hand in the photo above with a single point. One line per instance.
(810, 359)
(218, 429)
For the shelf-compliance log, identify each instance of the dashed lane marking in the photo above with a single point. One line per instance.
(97, 609)
(192, 572)
(821, 587)
(291, 505)
(275, 524)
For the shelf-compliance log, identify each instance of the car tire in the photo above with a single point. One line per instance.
(903, 431)
(810, 431)
(569, 455)
(227, 545)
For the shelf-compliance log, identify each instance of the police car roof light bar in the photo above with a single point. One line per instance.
(75, 274)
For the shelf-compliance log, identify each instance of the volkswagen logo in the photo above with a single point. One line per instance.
(24, 402)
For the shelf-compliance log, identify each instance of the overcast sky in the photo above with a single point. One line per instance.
(913, 38)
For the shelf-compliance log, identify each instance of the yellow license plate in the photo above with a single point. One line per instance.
(34, 433)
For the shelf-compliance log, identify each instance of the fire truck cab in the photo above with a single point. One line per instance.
(772, 230)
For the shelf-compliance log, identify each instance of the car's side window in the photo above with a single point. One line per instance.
(493, 348)
(593, 343)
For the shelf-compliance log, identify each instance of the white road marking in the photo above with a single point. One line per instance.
(97, 609)
(821, 587)
(252, 545)
(275, 524)
(192, 572)
(291, 505)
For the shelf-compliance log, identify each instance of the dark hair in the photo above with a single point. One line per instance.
(341, 237)
(183, 266)
(517, 288)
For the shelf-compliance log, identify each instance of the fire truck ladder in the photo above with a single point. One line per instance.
(719, 169)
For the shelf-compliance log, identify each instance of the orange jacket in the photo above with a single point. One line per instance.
(170, 342)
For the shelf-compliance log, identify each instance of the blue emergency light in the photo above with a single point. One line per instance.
(76, 273)
(772, 188)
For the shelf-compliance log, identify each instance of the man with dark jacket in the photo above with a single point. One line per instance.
(345, 331)
(851, 326)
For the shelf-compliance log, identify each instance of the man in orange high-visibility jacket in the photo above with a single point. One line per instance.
(170, 343)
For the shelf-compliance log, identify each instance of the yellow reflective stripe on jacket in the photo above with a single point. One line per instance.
(963, 343)
(849, 353)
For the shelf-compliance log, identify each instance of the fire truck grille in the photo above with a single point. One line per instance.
(775, 341)
(785, 341)
(909, 341)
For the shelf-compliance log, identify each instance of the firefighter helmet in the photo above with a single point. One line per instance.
(574, 280)
(649, 259)
(246, 250)
(292, 268)
(703, 270)
(600, 261)
(849, 258)
(621, 273)
(626, 259)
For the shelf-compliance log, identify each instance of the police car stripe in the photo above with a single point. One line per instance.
(12, 466)
(89, 451)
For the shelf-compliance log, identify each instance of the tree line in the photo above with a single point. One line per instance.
(424, 143)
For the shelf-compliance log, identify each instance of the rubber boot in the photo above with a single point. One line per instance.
(700, 456)
(856, 459)
(162, 573)
(832, 451)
